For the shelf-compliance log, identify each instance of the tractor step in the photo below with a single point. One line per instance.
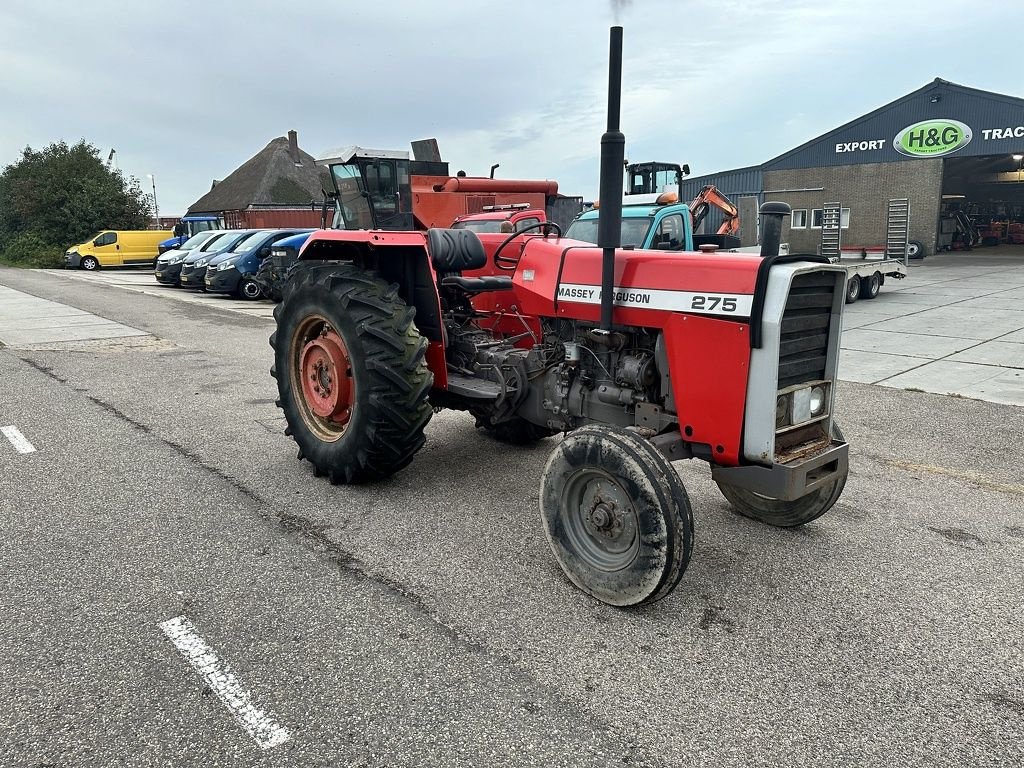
(472, 388)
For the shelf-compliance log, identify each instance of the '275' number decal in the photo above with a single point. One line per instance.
(711, 303)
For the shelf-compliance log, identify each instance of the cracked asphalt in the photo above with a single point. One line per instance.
(422, 621)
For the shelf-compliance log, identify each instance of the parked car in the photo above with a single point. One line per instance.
(193, 268)
(167, 266)
(168, 269)
(501, 218)
(116, 248)
(273, 271)
(234, 271)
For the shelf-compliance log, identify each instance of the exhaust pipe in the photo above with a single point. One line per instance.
(771, 227)
(613, 155)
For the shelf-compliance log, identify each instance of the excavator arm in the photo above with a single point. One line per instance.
(709, 197)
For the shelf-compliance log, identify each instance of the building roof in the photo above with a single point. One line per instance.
(270, 177)
(941, 97)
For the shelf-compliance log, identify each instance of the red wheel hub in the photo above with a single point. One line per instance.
(327, 377)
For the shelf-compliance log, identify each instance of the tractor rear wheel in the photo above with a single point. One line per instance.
(786, 514)
(616, 516)
(351, 373)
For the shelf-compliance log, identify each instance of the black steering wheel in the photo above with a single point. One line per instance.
(509, 265)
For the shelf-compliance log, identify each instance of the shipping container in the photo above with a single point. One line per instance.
(255, 217)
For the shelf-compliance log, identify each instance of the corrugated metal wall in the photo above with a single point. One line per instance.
(742, 182)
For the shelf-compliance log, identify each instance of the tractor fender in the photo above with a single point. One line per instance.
(401, 259)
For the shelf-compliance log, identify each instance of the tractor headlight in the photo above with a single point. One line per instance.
(800, 405)
(781, 410)
(817, 401)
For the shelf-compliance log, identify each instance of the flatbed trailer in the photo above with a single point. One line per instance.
(866, 270)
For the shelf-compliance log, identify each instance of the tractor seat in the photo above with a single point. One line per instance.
(454, 250)
(478, 284)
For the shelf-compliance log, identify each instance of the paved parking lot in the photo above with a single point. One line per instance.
(163, 549)
(954, 326)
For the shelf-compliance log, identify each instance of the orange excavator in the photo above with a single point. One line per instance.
(709, 197)
(654, 178)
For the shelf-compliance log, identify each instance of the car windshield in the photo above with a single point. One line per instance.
(216, 242)
(228, 242)
(479, 225)
(195, 241)
(250, 242)
(202, 226)
(633, 232)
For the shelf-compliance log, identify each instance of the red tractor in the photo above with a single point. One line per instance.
(640, 358)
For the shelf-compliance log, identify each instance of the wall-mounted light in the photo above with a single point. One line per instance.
(936, 98)
(1018, 158)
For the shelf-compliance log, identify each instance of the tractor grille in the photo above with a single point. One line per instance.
(803, 348)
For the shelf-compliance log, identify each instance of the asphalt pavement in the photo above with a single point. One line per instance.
(423, 620)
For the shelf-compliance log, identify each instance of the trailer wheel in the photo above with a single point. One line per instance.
(786, 514)
(852, 289)
(616, 516)
(870, 285)
(351, 374)
(915, 249)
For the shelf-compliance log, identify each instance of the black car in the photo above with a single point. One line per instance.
(167, 269)
(234, 271)
(193, 269)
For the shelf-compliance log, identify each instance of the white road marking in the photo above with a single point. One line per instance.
(259, 724)
(21, 445)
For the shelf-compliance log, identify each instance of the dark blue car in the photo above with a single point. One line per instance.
(235, 271)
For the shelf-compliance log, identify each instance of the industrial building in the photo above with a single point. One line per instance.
(956, 153)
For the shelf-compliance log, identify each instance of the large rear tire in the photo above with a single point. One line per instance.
(351, 373)
(786, 514)
(616, 516)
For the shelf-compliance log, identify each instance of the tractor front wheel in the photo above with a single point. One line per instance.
(351, 374)
(786, 514)
(616, 515)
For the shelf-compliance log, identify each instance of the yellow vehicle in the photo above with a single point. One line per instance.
(113, 248)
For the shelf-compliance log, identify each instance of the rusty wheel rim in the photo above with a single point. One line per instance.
(322, 379)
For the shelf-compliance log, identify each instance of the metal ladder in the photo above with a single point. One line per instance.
(831, 230)
(897, 229)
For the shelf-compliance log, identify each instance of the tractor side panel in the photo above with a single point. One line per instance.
(708, 362)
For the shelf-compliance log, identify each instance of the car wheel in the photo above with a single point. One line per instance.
(90, 264)
(249, 289)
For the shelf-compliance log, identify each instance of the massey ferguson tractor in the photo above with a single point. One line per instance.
(639, 358)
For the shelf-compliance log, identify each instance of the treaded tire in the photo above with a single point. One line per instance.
(652, 568)
(786, 514)
(518, 432)
(870, 285)
(390, 407)
(853, 289)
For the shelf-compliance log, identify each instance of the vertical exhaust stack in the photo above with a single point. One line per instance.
(613, 154)
(771, 228)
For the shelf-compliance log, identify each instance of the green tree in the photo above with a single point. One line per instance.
(62, 195)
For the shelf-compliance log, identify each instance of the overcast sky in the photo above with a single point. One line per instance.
(187, 91)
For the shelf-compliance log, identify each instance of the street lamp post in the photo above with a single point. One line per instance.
(156, 208)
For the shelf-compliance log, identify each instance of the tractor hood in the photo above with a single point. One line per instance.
(563, 278)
